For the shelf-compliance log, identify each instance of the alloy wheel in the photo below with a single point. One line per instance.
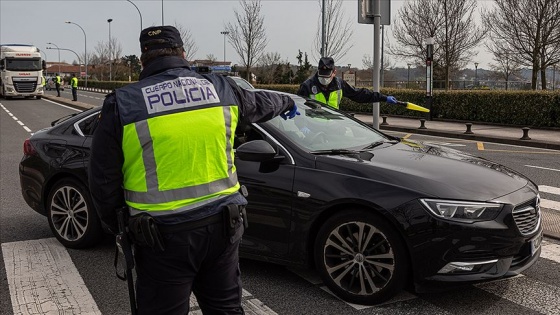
(359, 258)
(69, 213)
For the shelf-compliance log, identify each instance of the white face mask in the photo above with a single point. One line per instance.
(325, 81)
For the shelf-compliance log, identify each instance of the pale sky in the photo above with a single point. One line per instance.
(290, 25)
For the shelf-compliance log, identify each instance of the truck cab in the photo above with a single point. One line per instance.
(21, 71)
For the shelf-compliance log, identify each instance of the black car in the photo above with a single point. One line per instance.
(371, 212)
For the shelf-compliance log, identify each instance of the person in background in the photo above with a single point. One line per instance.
(74, 85)
(164, 149)
(57, 81)
(328, 89)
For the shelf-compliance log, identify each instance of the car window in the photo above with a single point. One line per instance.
(87, 126)
(321, 128)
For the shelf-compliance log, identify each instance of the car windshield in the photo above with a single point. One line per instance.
(321, 128)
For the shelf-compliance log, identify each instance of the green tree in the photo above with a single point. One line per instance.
(304, 67)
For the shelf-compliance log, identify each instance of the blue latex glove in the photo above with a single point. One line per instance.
(391, 100)
(305, 130)
(290, 114)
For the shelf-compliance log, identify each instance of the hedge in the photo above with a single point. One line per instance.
(520, 108)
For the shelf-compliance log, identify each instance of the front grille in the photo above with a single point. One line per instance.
(527, 216)
(25, 87)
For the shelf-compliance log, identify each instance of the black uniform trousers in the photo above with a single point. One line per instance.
(204, 261)
(74, 94)
(57, 85)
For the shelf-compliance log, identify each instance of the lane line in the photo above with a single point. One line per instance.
(42, 279)
(16, 119)
(550, 204)
(480, 146)
(72, 108)
(544, 168)
(550, 251)
(549, 189)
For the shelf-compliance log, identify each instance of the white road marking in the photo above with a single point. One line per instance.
(549, 189)
(447, 144)
(544, 168)
(78, 110)
(550, 204)
(16, 119)
(43, 279)
(550, 251)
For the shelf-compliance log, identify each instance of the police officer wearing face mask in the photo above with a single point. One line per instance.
(326, 88)
(164, 148)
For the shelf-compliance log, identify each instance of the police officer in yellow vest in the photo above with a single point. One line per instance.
(74, 85)
(164, 147)
(328, 89)
(57, 81)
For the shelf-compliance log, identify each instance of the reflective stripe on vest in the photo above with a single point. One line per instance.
(146, 189)
(334, 98)
(156, 178)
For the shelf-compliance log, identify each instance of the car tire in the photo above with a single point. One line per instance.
(38, 97)
(71, 215)
(361, 257)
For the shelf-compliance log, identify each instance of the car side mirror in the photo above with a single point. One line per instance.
(44, 65)
(255, 151)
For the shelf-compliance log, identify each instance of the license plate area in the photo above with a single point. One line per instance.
(535, 243)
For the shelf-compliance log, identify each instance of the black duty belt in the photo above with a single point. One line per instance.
(190, 225)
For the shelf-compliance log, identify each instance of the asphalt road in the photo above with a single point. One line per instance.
(270, 289)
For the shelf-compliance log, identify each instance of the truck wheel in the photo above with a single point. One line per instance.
(39, 97)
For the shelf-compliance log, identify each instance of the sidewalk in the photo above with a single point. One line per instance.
(539, 138)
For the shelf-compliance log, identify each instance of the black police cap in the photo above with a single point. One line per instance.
(170, 35)
(326, 66)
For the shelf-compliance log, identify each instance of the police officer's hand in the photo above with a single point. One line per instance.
(391, 100)
(291, 113)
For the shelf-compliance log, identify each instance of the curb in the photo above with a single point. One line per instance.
(532, 143)
(69, 102)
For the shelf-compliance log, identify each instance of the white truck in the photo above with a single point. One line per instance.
(21, 71)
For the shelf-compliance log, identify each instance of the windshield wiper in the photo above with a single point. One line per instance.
(378, 143)
(335, 151)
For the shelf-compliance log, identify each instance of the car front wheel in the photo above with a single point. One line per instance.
(71, 215)
(360, 257)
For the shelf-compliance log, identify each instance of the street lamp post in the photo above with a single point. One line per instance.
(110, 52)
(129, 71)
(79, 61)
(408, 76)
(225, 33)
(429, 73)
(476, 74)
(58, 56)
(138, 13)
(85, 49)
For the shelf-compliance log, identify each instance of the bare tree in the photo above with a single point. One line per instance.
(505, 64)
(451, 24)
(267, 66)
(107, 52)
(211, 58)
(529, 30)
(188, 41)
(338, 32)
(247, 35)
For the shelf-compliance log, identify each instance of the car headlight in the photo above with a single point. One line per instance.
(464, 211)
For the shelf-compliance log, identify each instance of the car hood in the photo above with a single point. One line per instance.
(429, 170)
